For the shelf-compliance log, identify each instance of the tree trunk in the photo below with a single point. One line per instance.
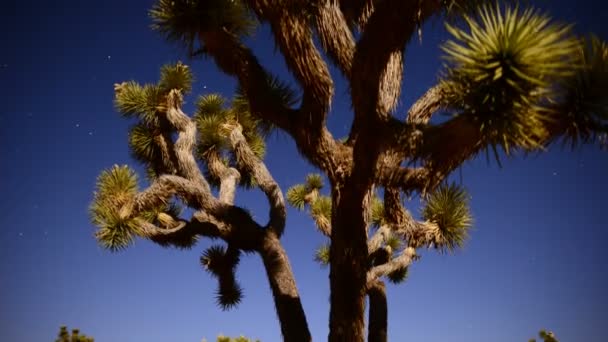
(286, 298)
(349, 265)
(378, 313)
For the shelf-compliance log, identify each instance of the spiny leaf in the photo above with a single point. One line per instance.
(584, 102)
(314, 181)
(116, 182)
(142, 144)
(183, 20)
(229, 293)
(176, 76)
(393, 241)
(132, 99)
(398, 276)
(377, 212)
(296, 196)
(502, 70)
(116, 187)
(448, 207)
(219, 260)
(321, 207)
(322, 255)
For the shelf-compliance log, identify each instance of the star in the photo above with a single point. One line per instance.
(77, 125)
(90, 133)
(554, 173)
(20, 234)
(109, 57)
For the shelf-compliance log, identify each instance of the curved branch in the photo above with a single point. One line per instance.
(379, 237)
(269, 186)
(403, 260)
(186, 140)
(228, 176)
(233, 58)
(335, 35)
(428, 104)
(290, 27)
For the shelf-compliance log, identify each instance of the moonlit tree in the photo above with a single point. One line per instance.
(513, 81)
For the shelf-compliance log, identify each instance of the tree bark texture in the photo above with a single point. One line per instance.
(378, 313)
(349, 264)
(286, 298)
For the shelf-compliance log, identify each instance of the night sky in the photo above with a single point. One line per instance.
(537, 257)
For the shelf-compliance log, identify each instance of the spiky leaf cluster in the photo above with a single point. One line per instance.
(183, 20)
(116, 188)
(222, 263)
(321, 208)
(147, 103)
(377, 212)
(302, 194)
(448, 208)
(398, 276)
(141, 101)
(296, 196)
(176, 76)
(502, 68)
(322, 255)
(212, 117)
(584, 99)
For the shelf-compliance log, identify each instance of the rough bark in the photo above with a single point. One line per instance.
(348, 264)
(284, 290)
(377, 330)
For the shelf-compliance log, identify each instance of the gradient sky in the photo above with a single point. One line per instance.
(537, 257)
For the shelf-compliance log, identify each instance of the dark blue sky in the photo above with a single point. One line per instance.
(537, 257)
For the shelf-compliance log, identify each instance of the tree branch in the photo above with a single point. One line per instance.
(186, 140)
(403, 260)
(335, 35)
(233, 58)
(427, 105)
(379, 237)
(267, 184)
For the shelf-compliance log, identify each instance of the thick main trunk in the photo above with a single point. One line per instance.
(378, 313)
(349, 264)
(286, 298)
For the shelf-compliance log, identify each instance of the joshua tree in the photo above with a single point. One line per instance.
(65, 336)
(513, 81)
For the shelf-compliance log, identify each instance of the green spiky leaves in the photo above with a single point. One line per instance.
(448, 208)
(501, 70)
(211, 118)
(584, 101)
(144, 102)
(183, 20)
(296, 196)
(176, 76)
(116, 188)
(377, 212)
(301, 195)
(222, 263)
(398, 276)
(322, 255)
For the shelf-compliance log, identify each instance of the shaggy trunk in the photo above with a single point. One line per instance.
(286, 298)
(378, 313)
(349, 265)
